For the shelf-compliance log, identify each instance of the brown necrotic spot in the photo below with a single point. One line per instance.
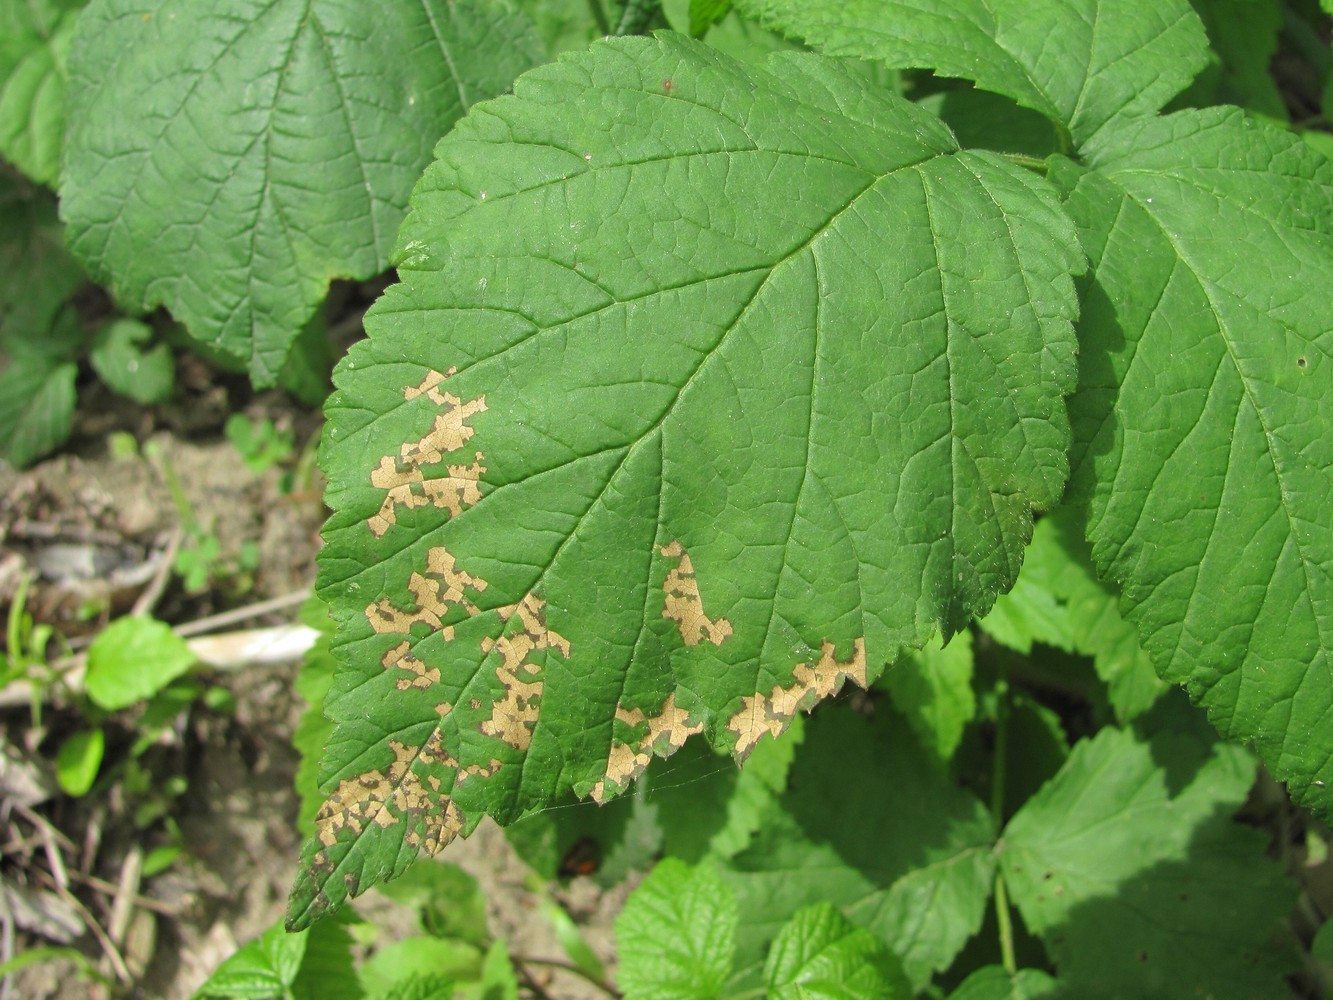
(408, 791)
(435, 592)
(684, 606)
(423, 676)
(514, 716)
(403, 477)
(771, 713)
(665, 734)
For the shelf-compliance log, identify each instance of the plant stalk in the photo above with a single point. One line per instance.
(599, 15)
(1002, 916)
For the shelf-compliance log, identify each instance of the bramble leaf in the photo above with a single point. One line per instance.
(1082, 63)
(1128, 865)
(34, 42)
(707, 389)
(1202, 418)
(932, 687)
(227, 161)
(37, 274)
(994, 983)
(908, 856)
(676, 935)
(1244, 38)
(818, 954)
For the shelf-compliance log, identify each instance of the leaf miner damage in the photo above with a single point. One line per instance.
(666, 733)
(684, 606)
(404, 478)
(414, 789)
(513, 718)
(408, 791)
(771, 713)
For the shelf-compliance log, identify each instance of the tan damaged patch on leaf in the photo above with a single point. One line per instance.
(667, 732)
(514, 717)
(422, 675)
(404, 479)
(409, 791)
(771, 713)
(436, 591)
(684, 606)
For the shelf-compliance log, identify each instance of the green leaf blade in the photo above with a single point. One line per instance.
(619, 425)
(228, 162)
(676, 935)
(34, 43)
(1129, 866)
(818, 954)
(36, 407)
(910, 857)
(133, 659)
(1201, 419)
(1082, 63)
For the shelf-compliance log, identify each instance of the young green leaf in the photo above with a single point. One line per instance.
(1202, 417)
(641, 447)
(147, 376)
(1082, 63)
(676, 935)
(34, 42)
(995, 983)
(78, 760)
(264, 969)
(1129, 866)
(133, 659)
(818, 955)
(228, 160)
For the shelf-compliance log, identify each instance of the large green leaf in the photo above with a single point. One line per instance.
(908, 855)
(228, 160)
(1129, 867)
(1202, 417)
(1082, 63)
(706, 389)
(34, 42)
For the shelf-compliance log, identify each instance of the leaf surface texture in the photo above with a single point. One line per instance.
(706, 390)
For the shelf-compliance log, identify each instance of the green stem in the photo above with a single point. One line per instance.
(178, 496)
(998, 768)
(1006, 926)
(635, 17)
(1033, 163)
(599, 15)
